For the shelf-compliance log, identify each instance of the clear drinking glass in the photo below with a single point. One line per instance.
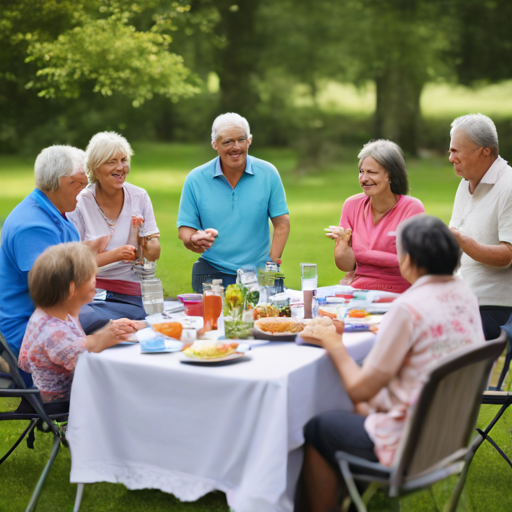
(308, 276)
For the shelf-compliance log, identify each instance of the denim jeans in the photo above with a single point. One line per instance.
(95, 315)
(493, 317)
(203, 272)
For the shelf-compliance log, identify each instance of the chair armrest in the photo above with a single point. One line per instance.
(18, 393)
(496, 397)
(363, 463)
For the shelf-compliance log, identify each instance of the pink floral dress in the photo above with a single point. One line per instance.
(435, 317)
(49, 352)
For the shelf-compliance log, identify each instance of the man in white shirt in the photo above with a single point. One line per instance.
(482, 217)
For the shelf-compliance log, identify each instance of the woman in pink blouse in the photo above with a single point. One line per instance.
(366, 237)
(62, 279)
(437, 315)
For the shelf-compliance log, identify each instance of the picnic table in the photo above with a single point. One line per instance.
(151, 421)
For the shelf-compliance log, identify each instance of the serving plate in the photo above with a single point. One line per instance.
(280, 336)
(240, 353)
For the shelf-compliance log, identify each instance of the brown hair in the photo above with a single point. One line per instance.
(56, 268)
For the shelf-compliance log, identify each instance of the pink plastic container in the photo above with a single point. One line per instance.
(193, 303)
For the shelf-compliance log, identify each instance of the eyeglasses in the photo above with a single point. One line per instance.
(229, 143)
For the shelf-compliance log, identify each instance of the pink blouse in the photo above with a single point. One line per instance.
(374, 246)
(434, 317)
(49, 352)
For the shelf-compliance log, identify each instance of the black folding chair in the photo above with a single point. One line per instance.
(44, 417)
(435, 442)
(496, 396)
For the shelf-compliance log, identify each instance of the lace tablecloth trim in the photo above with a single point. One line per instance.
(184, 487)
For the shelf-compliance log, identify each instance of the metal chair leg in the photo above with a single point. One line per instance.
(44, 475)
(451, 504)
(78, 499)
(351, 486)
(29, 429)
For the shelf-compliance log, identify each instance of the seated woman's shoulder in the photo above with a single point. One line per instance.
(413, 204)
(357, 198)
(134, 189)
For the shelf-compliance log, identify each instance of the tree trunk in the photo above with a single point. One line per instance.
(397, 112)
(237, 57)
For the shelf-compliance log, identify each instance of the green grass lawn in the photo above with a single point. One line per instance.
(315, 201)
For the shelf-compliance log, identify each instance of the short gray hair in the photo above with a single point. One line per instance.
(229, 120)
(480, 129)
(101, 148)
(57, 162)
(390, 156)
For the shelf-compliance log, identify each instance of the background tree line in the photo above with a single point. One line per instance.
(161, 70)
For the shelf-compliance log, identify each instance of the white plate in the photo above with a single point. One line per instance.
(244, 349)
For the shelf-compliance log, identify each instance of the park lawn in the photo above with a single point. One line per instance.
(315, 202)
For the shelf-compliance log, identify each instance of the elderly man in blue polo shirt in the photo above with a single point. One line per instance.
(36, 223)
(226, 204)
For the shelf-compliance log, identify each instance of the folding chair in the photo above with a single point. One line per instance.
(435, 441)
(38, 414)
(495, 396)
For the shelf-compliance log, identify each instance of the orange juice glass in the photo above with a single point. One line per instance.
(212, 307)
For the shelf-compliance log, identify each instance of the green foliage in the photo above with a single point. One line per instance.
(111, 53)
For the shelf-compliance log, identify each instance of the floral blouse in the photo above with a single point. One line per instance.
(435, 317)
(49, 352)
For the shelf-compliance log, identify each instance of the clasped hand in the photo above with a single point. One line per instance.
(324, 332)
(204, 239)
(123, 328)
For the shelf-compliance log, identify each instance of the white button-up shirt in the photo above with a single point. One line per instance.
(486, 216)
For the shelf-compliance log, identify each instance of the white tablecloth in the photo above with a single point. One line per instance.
(149, 421)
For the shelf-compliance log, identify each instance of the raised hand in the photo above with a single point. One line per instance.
(338, 233)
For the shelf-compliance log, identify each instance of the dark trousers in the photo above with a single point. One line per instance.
(203, 272)
(334, 431)
(493, 317)
(95, 315)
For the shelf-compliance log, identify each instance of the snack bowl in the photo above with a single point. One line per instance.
(193, 303)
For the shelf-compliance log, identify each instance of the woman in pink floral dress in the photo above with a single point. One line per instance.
(437, 315)
(62, 279)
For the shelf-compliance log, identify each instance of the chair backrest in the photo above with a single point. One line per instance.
(447, 410)
(8, 355)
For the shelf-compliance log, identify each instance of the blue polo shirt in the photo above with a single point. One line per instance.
(31, 227)
(240, 215)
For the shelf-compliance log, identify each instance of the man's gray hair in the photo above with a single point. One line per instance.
(390, 156)
(480, 129)
(227, 121)
(57, 162)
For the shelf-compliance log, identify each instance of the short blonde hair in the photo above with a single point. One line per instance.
(56, 268)
(101, 148)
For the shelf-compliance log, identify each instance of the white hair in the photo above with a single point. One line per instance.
(57, 162)
(480, 129)
(227, 121)
(102, 147)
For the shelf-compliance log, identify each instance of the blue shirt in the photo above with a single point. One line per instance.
(240, 215)
(31, 227)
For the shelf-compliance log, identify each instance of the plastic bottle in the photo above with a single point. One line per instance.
(152, 290)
